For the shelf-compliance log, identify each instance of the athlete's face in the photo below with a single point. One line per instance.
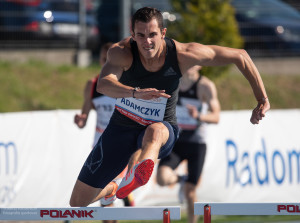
(148, 37)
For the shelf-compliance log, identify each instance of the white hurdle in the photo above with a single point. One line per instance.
(209, 209)
(92, 213)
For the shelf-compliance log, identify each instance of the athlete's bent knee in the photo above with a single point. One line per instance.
(157, 132)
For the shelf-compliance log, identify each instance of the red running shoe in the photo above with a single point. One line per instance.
(138, 176)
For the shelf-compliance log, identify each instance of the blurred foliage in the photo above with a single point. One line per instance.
(209, 22)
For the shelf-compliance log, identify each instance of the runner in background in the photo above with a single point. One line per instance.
(197, 106)
(103, 105)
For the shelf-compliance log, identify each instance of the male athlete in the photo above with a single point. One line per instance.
(143, 72)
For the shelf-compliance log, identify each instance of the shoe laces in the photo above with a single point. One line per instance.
(130, 172)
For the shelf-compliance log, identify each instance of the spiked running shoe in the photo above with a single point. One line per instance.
(107, 200)
(138, 176)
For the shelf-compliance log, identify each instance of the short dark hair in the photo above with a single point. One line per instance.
(146, 14)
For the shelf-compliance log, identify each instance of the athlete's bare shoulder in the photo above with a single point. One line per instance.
(205, 81)
(120, 53)
(191, 54)
(193, 50)
(206, 89)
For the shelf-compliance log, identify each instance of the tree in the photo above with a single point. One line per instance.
(209, 22)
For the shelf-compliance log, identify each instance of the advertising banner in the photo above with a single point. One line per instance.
(245, 162)
(42, 152)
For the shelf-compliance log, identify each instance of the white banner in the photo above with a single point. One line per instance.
(41, 154)
(253, 163)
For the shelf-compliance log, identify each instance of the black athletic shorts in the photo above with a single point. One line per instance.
(113, 150)
(194, 153)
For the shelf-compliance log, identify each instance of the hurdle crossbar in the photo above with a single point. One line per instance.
(209, 209)
(92, 213)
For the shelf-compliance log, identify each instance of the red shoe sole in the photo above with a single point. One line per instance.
(142, 175)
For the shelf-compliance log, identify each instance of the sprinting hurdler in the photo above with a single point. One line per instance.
(143, 72)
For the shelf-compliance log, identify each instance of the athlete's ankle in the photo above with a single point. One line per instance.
(110, 189)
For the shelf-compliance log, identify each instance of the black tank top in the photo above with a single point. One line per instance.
(191, 92)
(197, 135)
(167, 78)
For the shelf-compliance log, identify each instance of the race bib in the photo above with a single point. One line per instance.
(144, 112)
(184, 120)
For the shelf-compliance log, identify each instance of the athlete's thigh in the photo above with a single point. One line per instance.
(166, 149)
(109, 156)
(169, 145)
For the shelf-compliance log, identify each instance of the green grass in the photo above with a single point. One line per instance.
(235, 92)
(36, 85)
(40, 86)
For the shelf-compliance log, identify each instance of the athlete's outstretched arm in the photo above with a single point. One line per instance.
(197, 54)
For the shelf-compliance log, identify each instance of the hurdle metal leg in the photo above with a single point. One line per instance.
(207, 215)
(166, 216)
